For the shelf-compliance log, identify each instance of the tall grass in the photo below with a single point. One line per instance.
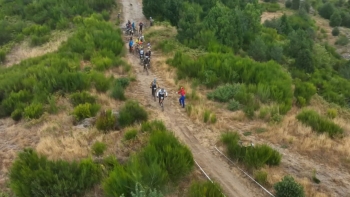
(318, 123)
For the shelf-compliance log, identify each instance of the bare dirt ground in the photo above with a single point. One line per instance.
(24, 51)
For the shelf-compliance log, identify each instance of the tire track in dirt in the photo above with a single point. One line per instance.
(232, 181)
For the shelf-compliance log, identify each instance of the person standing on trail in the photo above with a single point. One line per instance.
(182, 97)
(140, 29)
(133, 26)
(131, 43)
(150, 21)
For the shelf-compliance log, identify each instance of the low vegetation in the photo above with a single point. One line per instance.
(253, 157)
(163, 159)
(287, 187)
(34, 80)
(319, 123)
(206, 189)
(35, 176)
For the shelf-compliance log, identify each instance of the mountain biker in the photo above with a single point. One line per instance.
(149, 52)
(140, 25)
(182, 98)
(131, 43)
(133, 26)
(141, 52)
(154, 84)
(146, 60)
(160, 94)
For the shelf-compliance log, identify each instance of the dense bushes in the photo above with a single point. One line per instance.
(117, 90)
(34, 80)
(251, 156)
(86, 110)
(130, 113)
(213, 69)
(98, 148)
(163, 159)
(319, 123)
(289, 188)
(205, 189)
(82, 98)
(106, 121)
(32, 175)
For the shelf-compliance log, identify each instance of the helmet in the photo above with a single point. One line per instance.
(162, 89)
(182, 87)
(155, 80)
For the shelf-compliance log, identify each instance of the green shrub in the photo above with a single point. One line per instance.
(101, 83)
(289, 188)
(301, 101)
(86, 110)
(155, 125)
(342, 40)
(233, 105)
(2, 56)
(249, 111)
(82, 98)
(335, 19)
(335, 31)
(106, 15)
(305, 90)
(163, 159)
(123, 82)
(142, 192)
(319, 123)
(98, 148)
(33, 111)
(106, 121)
(332, 113)
(17, 114)
(130, 113)
(213, 118)
(206, 116)
(224, 93)
(205, 189)
(165, 148)
(53, 109)
(117, 92)
(288, 4)
(130, 134)
(15, 100)
(271, 7)
(34, 175)
(253, 157)
(261, 177)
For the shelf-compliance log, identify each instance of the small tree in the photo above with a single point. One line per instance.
(289, 188)
(258, 49)
(288, 4)
(335, 19)
(295, 4)
(335, 31)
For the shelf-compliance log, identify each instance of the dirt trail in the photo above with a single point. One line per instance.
(231, 180)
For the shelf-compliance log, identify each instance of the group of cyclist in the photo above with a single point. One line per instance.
(162, 93)
(146, 58)
(130, 27)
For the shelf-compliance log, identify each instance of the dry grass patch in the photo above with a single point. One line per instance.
(24, 51)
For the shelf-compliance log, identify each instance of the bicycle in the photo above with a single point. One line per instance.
(161, 102)
(154, 90)
(145, 67)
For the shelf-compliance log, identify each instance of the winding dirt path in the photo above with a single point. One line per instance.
(232, 181)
